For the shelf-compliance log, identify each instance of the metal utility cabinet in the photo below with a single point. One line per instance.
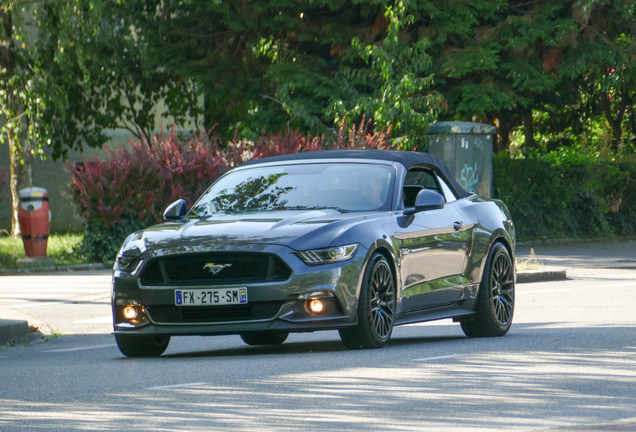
(467, 150)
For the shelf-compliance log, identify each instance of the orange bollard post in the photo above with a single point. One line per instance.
(35, 219)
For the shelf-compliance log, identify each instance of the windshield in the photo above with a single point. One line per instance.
(340, 186)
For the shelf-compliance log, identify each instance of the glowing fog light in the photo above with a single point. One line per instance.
(129, 312)
(316, 306)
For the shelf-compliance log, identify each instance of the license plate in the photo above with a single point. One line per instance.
(215, 297)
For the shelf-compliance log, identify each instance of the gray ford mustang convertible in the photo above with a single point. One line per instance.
(357, 241)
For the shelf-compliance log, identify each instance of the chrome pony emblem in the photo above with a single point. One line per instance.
(215, 269)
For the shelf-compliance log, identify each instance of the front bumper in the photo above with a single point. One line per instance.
(338, 282)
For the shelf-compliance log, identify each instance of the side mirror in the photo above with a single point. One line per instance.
(176, 210)
(427, 200)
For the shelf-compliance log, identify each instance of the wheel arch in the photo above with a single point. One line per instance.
(383, 248)
(384, 251)
(503, 240)
(506, 244)
(497, 237)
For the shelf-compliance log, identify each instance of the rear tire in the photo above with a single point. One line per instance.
(496, 298)
(376, 308)
(264, 337)
(142, 346)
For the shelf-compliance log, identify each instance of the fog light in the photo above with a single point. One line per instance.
(316, 306)
(129, 312)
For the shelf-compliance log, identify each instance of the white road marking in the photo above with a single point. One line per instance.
(31, 303)
(615, 285)
(58, 296)
(47, 286)
(81, 348)
(52, 291)
(603, 277)
(543, 291)
(176, 386)
(100, 320)
(438, 357)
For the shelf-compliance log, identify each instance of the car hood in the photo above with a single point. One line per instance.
(299, 230)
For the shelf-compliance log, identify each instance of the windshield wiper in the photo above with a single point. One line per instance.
(338, 209)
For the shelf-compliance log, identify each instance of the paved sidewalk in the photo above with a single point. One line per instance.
(611, 255)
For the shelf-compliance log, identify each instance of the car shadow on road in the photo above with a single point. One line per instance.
(285, 349)
(444, 338)
(309, 347)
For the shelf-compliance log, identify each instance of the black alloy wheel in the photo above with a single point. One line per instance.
(496, 298)
(502, 288)
(376, 308)
(142, 346)
(264, 337)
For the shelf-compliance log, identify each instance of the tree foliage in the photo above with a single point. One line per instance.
(70, 70)
(392, 85)
(553, 67)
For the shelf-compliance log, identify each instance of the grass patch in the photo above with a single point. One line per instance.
(531, 263)
(63, 248)
(54, 335)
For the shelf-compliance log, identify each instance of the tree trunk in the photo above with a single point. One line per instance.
(616, 123)
(632, 122)
(21, 173)
(528, 130)
(501, 140)
(16, 128)
(505, 124)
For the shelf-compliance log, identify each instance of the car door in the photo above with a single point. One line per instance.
(433, 248)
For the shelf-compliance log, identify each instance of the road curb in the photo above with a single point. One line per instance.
(528, 276)
(571, 241)
(13, 331)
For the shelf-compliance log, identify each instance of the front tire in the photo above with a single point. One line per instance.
(376, 308)
(496, 298)
(264, 337)
(142, 346)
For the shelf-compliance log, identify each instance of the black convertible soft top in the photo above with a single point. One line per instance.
(407, 158)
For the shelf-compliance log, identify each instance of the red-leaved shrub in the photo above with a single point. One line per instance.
(130, 188)
(346, 137)
(350, 137)
(137, 183)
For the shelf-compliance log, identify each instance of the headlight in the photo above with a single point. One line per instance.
(329, 255)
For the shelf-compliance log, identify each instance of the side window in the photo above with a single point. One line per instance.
(448, 193)
(416, 180)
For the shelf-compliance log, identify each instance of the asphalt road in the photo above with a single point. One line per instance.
(569, 362)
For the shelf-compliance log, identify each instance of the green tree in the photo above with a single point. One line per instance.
(16, 97)
(292, 63)
(70, 70)
(551, 67)
(393, 85)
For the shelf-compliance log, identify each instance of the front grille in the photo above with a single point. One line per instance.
(199, 269)
(210, 314)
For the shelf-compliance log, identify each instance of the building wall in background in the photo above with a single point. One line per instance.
(51, 175)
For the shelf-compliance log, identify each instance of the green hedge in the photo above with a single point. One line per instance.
(566, 194)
